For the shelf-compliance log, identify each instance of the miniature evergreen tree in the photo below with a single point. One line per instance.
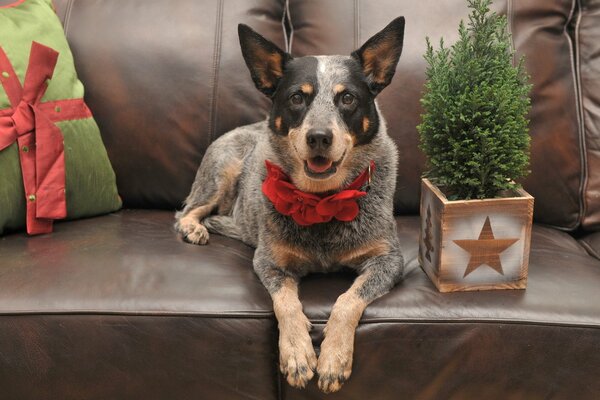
(475, 130)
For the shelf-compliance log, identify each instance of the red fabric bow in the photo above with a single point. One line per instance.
(31, 124)
(307, 208)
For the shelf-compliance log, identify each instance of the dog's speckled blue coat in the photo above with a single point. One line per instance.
(334, 95)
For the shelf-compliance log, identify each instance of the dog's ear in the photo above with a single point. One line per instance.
(264, 59)
(379, 55)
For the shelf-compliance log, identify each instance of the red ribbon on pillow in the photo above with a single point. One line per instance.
(307, 208)
(31, 124)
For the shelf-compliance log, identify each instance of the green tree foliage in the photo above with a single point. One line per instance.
(475, 130)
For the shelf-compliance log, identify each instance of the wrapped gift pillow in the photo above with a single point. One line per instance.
(53, 164)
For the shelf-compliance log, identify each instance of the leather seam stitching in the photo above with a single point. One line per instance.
(580, 131)
(269, 315)
(509, 16)
(589, 249)
(212, 121)
(289, 40)
(511, 30)
(581, 119)
(483, 321)
(68, 17)
(266, 314)
(356, 24)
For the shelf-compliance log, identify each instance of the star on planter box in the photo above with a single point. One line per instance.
(485, 250)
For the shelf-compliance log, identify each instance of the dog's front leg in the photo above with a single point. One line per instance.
(297, 359)
(378, 275)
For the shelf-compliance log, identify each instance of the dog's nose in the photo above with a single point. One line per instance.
(319, 139)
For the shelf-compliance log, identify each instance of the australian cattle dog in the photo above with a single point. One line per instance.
(311, 188)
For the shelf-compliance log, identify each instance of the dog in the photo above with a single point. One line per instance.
(311, 189)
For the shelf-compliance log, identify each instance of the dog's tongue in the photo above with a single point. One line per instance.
(319, 164)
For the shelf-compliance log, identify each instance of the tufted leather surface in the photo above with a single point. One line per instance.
(535, 24)
(164, 79)
(123, 291)
(133, 357)
(415, 360)
(156, 146)
(562, 288)
(118, 307)
(133, 262)
(129, 262)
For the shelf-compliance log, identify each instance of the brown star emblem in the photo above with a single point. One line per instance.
(485, 250)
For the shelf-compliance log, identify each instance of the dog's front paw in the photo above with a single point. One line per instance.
(297, 358)
(335, 361)
(192, 231)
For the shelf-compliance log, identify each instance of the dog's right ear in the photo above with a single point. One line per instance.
(379, 55)
(264, 59)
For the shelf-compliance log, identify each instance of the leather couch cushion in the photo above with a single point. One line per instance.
(133, 262)
(129, 262)
(135, 357)
(495, 344)
(587, 34)
(164, 79)
(562, 288)
(536, 25)
(117, 307)
(399, 359)
(123, 291)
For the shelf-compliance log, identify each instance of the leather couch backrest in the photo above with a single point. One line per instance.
(586, 33)
(539, 29)
(164, 79)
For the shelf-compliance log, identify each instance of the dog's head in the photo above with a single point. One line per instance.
(324, 107)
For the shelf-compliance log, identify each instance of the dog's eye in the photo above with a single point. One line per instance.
(296, 99)
(347, 99)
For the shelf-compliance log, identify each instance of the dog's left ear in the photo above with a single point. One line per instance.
(379, 55)
(264, 59)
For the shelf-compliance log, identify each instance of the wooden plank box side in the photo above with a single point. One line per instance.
(450, 249)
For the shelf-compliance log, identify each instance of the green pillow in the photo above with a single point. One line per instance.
(31, 27)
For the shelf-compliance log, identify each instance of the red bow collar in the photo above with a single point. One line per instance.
(308, 208)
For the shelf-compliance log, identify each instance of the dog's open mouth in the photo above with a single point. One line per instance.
(319, 164)
(321, 167)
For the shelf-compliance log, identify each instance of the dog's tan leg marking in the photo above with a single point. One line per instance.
(335, 361)
(190, 225)
(297, 359)
(227, 186)
(364, 252)
(286, 255)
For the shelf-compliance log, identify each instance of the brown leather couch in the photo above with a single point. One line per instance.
(117, 307)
